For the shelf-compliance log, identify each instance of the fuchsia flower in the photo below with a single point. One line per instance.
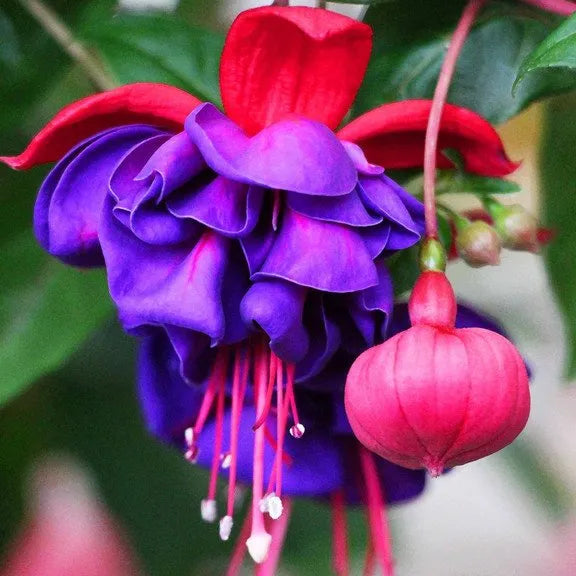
(249, 248)
(448, 395)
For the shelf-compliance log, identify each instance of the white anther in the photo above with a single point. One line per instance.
(226, 460)
(226, 525)
(189, 437)
(258, 546)
(192, 454)
(275, 506)
(264, 505)
(208, 510)
(297, 431)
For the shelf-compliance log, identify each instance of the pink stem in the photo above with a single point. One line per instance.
(562, 7)
(433, 128)
(278, 529)
(380, 535)
(239, 548)
(340, 534)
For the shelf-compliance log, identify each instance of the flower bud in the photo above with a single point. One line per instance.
(435, 396)
(478, 244)
(518, 229)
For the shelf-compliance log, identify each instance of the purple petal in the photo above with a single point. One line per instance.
(179, 284)
(360, 162)
(175, 162)
(276, 307)
(321, 255)
(193, 351)
(372, 308)
(297, 155)
(257, 245)
(315, 469)
(348, 209)
(324, 340)
(229, 207)
(168, 404)
(138, 200)
(68, 207)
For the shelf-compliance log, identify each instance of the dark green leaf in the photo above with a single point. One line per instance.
(159, 48)
(454, 182)
(405, 67)
(558, 208)
(46, 311)
(10, 51)
(557, 51)
(404, 269)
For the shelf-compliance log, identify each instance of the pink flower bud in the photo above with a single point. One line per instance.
(435, 396)
(478, 244)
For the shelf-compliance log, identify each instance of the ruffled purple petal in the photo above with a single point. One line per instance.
(372, 308)
(193, 351)
(315, 469)
(177, 284)
(348, 209)
(138, 199)
(168, 404)
(324, 339)
(360, 162)
(321, 255)
(68, 207)
(276, 307)
(229, 207)
(298, 155)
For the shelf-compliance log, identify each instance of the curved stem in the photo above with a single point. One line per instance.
(63, 36)
(433, 128)
(562, 7)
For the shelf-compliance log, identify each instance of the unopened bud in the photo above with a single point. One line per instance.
(478, 244)
(518, 229)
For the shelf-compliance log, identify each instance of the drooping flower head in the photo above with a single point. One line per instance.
(249, 248)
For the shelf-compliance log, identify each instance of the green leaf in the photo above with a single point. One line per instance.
(159, 48)
(406, 67)
(557, 51)
(10, 50)
(454, 182)
(46, 311)
(558, 174)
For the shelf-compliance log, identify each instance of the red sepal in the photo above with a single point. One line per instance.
(279, 61)
(144, 103)
(392, 136)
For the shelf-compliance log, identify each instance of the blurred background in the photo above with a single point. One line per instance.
(510, 514)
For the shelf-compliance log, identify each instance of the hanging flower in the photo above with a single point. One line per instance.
(217, 228)
(448, 395)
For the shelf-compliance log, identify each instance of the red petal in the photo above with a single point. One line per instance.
(278, 61)
(144, 103)
(392, 136)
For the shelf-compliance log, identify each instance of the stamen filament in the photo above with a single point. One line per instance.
(369, 560)
(280, 428)
(339, 534)
(240, 379)
(433, 128)
(297, 430)
(263, 414)
(278, 530)
(239, 552)
(379, 532)
(258, 543)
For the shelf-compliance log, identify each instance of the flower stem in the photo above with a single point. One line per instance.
(562, 7)
(63, 36)
(433, 128)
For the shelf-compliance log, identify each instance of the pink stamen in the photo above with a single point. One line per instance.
(217, 442)
(297, 430)
(281, 419)
(339, 534)
(278, 531)
(263, 413)
(259, 541)
(379, 532)
(433, 128)
(562, 7)
(240, 379)
(239, 552)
